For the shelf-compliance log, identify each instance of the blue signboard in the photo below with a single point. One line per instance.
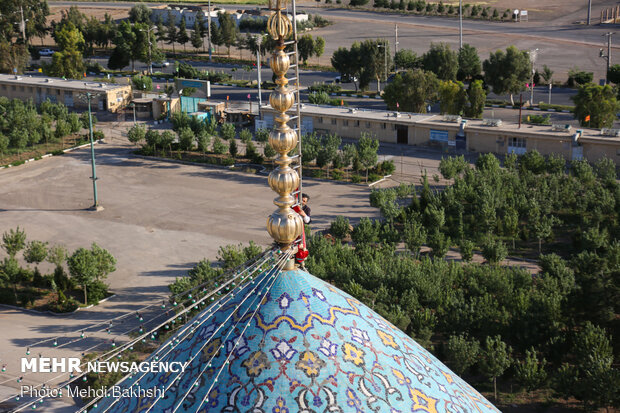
(439, 135)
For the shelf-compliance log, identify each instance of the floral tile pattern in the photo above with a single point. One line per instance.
(294, 343)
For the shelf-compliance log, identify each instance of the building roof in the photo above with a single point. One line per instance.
(434, 120)
(70, 84)
(289, 342)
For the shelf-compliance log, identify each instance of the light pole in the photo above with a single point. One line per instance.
(133, 106)
(259, 39)
(384, 46)
(395, 45)
(608, 56)
(96, 206)
(589, 10)
(209, 29)
(148, 33)
(533, 56)
(460, 24)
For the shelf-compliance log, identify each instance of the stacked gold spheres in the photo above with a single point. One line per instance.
(284, 225)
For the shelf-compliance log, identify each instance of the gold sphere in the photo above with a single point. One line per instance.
(281, 99)
(284, 225)
(280, 63)
(283, 139)
(284, 180)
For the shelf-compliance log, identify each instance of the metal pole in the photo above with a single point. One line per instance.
(385, 61)
(260, 99)
(23, 25)
(134, 113)
(92, 154)
(209, 29)
(550, 93)
(520, 107)
(589, 10)
(148, 33)
(532, 89)
(395, 45)
(608, 55)
(460, 24)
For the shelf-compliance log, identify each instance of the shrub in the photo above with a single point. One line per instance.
(337, 175)
(97, 291)
(340, 227)
(374, 177)
(356, 179)
(227, 131)
(467, 250)
(219, 147)
(494, 251)
(245, 135)
(322, 87)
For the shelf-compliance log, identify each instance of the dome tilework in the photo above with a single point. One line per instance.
(302, 345)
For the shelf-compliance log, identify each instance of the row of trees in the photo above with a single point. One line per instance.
(23, 125)
(433, 9)
(552, 333)
(88, 269)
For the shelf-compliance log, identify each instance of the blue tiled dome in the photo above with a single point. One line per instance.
(289, 342)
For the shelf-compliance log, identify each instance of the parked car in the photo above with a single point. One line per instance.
(46, 52)
(345, 79)
(161, 64)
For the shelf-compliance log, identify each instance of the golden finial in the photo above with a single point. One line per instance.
(284, 225)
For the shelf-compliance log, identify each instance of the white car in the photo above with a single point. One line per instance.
(160, 64)
(46, 52)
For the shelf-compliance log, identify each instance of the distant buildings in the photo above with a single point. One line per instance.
(190, 13)
(107, 96)
(478, 135)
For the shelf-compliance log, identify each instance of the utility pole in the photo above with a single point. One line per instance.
(589, 10)
(209, 29)
(395, 45)
(96, 206)
(23, 24)
(608, 56)
(384, 46)
(259, 39)
(533, 56)
(460, 24)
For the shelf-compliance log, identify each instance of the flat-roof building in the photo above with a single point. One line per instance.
(107, 96)
(477, 135)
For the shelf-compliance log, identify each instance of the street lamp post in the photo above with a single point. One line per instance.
(209, 29)
(460, 24)
(148, 33)
(608, 56)
(133, 106)
(533, 56)
(96, 206)
(259, 39)
(384, 46)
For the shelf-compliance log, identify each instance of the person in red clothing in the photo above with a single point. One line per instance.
(303, 211)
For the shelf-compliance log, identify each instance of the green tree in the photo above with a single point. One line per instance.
(196, 37)
(186, 139)
(547, 74)
(182, 36)
(367, 148)
(439, 243)
(476, 99)
(414, 236)
(530, 373)
(452, 97)
(347, 62)
(171, 30)
(227, 131)
(11, 273)
(232, 148)
(13, 56)
(599, 103)
(57, 255)
(442, 61)
(83, 268)
(219, 147)
(228, 29)
(496, 358)
(507, 72)
(136, 134)
(340, 227)
(68, 61)
(245, 135)
(36, 252)
(366, 231)
(269, 152)
(305, 47)
(407, 60)
(412, 90)
(462, 353)
(13, 241)
(105, 263)
(140, 13)
(466, 248)
(511, 224)
(142, 83)
(494, 250)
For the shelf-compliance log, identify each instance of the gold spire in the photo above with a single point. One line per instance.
(284, 225)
